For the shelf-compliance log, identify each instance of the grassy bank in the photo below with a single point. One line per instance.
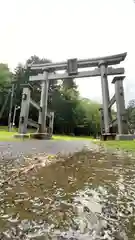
(69, 138)
(124, 145)
(9, 136)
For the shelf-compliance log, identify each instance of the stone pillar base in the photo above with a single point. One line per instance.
(126, 137)
(21, 135)
(40, 136)
(108, 136)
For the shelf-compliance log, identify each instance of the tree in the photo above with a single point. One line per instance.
(5, 76)
(88, 116)
(69, 100)
(69, 83)
(64, 104)
(5, 84)
(131, 115)
(36, 60)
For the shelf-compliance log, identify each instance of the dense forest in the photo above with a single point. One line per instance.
(73, 114)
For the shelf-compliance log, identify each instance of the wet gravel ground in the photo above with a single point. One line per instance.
(12, 150)
(88, 195)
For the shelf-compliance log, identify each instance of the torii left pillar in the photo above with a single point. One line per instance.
(101, 120)
(23, 121)
(51, 123)
(105, 96)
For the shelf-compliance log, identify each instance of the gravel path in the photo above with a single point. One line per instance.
(12, 150)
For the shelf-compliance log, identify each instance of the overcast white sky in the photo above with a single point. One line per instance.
(62, 29)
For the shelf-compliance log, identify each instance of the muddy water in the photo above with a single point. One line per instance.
(90, 195)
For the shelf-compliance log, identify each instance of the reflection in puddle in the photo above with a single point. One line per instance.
(86, 196)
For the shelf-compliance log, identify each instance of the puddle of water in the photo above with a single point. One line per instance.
(86, 196)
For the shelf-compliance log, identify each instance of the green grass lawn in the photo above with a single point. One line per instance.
(124, 145)
(9, 136)
(68, 138)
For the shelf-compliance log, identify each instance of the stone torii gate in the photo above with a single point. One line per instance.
(102, 67)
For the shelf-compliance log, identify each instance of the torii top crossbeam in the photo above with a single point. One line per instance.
(93, 62)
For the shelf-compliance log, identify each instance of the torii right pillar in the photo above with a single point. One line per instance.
(43, 104)
(121, 111)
